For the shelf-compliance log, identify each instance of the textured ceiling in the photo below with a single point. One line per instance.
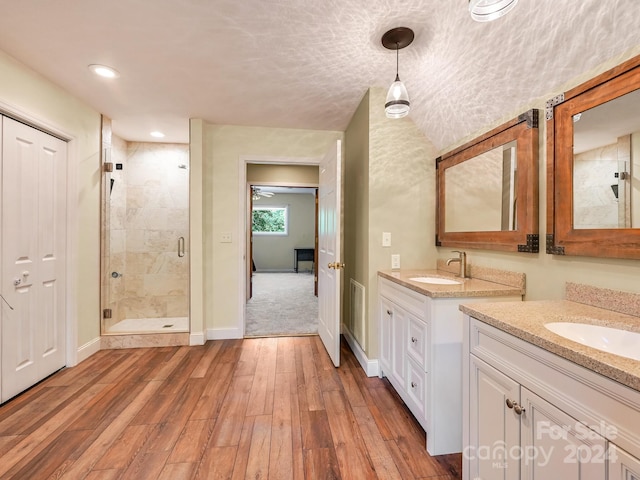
(307, 64)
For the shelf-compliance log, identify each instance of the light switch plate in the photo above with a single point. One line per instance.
(395, 261)
(386, 239)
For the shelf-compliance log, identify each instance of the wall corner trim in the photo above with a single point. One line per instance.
(86, 350)
(370, 367)
(224, 333)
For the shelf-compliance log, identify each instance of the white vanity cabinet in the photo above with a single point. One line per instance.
(622, 465)
(530, 414)
(516, 434)
(421, 355)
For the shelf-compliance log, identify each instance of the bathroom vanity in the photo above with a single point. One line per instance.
(420, 333)
(537, 405)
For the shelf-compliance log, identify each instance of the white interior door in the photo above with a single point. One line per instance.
(329, 264)
(33, 244)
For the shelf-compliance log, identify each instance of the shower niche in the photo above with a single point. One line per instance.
(145, 228)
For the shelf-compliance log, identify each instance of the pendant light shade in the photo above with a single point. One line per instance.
(487, 10)
(397, 103)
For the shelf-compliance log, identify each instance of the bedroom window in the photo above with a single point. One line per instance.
(270, 220)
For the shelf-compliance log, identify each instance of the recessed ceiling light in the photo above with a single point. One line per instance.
(104, 71)
(157, 134)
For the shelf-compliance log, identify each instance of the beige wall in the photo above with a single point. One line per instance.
(547, 274)
(49, 106)
(356, 205)
(395, 193)
(282, 175)
(225, 150)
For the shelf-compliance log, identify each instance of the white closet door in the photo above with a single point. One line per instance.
(33, 256)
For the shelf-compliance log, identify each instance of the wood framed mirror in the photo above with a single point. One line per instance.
(593, 166)
(487, 190)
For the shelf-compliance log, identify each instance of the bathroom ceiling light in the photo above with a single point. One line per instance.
(157, 134)
(397, 104)
(487, 10)
(104, 71)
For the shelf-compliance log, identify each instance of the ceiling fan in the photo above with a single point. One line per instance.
(256, 193)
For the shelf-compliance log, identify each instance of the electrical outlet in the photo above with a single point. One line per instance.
(395, 261)
(225, 237)
(386, 239)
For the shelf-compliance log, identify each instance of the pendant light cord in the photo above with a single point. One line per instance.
(397, 61)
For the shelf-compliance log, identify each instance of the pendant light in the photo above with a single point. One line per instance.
(487, 10)
(397, 104)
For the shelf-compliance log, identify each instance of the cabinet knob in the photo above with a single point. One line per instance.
(414, 384)
(389, 312)
(414, 339)
(519, 409)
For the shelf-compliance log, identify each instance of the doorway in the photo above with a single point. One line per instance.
(279, 301)
(282, 238)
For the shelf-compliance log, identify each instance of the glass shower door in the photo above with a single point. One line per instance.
(146, 265)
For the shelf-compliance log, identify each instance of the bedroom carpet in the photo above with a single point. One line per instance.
(282, 304)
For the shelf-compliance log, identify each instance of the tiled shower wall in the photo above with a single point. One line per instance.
(595, 203)
(149, 212)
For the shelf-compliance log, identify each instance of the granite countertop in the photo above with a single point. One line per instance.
(526, 320)
(470, 287)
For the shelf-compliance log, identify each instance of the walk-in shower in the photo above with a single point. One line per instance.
(145, 266)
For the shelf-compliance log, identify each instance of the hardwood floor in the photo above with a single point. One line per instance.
(262, 408)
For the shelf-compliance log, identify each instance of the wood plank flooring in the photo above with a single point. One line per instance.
(261, 408)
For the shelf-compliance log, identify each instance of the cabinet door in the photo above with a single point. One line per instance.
(417, 389)
(494, 429)
(398, 348)
(385, 308)
(622, 466)
(555, 445)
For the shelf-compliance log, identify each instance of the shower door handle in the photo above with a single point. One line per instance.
(181, 246)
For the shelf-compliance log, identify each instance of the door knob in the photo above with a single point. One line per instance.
(336, 265)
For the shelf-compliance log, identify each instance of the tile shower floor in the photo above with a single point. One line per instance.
(155, 325)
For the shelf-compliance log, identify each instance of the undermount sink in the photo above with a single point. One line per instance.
(608, 339)
(436, 280)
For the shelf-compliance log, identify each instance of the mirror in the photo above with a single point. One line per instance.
(606, 164)
(488, 190)
(480, 192)
(593, 167)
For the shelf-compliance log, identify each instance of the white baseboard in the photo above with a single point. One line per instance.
(276, 270)
(224, 333)
(370, 367)
(196, 338)
(88, 349)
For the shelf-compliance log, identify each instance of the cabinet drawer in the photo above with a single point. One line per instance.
(417, 389)
(417, 341)
(413, 302)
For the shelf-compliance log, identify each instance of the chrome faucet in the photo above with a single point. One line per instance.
(463, 263)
